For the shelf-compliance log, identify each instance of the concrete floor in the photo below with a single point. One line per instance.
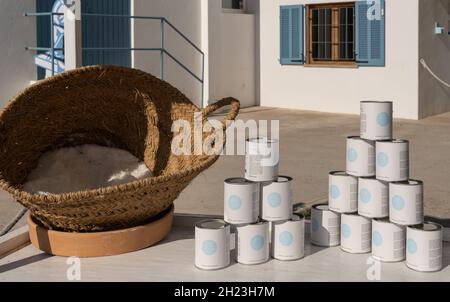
(312, 144)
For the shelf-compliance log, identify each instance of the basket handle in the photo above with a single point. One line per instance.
(235, 105)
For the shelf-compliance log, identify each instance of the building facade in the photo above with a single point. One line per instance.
(321, 55)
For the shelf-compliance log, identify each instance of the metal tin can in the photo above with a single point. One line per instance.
(373, 198)
(406, 202)
(325, 226)
(241, 201)
(277, 199)
(253, 243)
(376, 120)
(288, 238)
(392, 163)
(261, 159)
(212, 244)
(343, 192)
(424, 247)
(388, 241)
(360, 157)
(356, 234)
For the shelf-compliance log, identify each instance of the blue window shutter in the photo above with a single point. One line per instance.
(106, 32)
(292, 34)
(370, 34)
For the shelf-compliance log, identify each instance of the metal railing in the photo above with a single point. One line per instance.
(162, 49)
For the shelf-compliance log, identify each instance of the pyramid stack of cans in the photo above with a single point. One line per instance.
(258, 209)
(374, 206)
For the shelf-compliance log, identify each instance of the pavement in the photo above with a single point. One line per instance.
(312, 144)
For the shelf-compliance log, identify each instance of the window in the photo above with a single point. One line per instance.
(330, 34)
(233, 4)
(333, 34)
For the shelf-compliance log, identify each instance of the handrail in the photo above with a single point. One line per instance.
(161, 49)
(150, 18)
(42, 14)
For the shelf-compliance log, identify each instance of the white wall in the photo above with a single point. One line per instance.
(186, 16)
(341, 89)
(17, 67)
(435, 49)
(232, 55)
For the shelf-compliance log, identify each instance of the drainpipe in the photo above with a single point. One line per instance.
(72, 36)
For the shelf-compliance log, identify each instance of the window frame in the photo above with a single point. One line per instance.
(309, 60)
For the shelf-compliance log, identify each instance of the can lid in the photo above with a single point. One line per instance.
(238, 181)
(383, 220)
(393, 141)
(283, 179)
(263, 140)
(339, 173)
(359, 138)
(260, 222)
(427, 226)
(355, 214)
(321, 207)
(372, 178)
(411, 182)
(377, 102)
(212, 224)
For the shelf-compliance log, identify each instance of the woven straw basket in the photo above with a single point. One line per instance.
(109, 106)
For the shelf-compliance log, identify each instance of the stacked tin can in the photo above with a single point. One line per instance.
(379, 208)
(258, 209)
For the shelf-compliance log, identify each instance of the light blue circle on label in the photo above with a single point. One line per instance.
(383, 119)
(286, 238)
(257, 242)
(255, 196)
(365, 195)
(234, 202)
(314, 225)
(209, 247)
(382, 159)
(377, 239)
(334, 192)
(398, 202)
(274, 199)
(346, 231)
(412, 246)
(352, 155)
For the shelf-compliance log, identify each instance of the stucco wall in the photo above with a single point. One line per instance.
(17, 67)
(186, 16)
(252, 7)
(434, 97)
(341, 89)
(232, 53)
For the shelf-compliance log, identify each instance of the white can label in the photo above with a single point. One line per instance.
(212, 248)
(388, 241)
(424, 250)
(392, 161)
(343, 193)
(373, 198)
(261, 160)
(325, 227)
(241, 202)
(253, 243)
(288, 240)
(356, 234)
(406, 204)
(277, 201)
(376, 120)
(360, 157)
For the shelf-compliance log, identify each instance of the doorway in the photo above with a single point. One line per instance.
(109, 32)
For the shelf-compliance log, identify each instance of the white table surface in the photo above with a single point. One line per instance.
(173, 258)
